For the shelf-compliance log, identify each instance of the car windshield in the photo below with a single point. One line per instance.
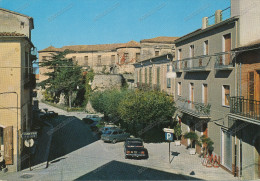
(135, 143)
(108, 132)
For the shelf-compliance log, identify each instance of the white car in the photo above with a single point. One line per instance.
(94, 117)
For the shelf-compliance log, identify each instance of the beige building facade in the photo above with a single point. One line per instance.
(17, 81)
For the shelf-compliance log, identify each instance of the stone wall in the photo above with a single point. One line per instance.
(102, 82)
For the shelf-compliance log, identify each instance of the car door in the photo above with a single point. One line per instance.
(114, 135)
(120, 135)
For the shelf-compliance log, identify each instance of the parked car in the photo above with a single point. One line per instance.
(134, 147)
(105, 129)
(114, 135)
(89, 119)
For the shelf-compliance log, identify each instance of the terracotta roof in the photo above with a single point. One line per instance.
(86, 48)
(11, 34)
(160, 39)
(51, 49)
(130, 44)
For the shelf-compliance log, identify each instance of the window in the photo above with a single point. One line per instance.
(115, 132)
(206, 47)
(205, 94)
(145, 75)
(113, 59)
(179, 88)
(86, 60)
(44, 57)
(140, 75)
(227, 48)
(126, 57)
(192, 94)
(150, 76)
(137, 57)
(99, 60)
(225, 95)
(157, 53)
(192, 51)
(158, 75)
(179, 54)
(168, 79)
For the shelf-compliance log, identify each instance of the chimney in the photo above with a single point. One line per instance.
(218, 16)
(205, 22)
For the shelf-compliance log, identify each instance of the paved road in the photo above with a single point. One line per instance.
(76, 154)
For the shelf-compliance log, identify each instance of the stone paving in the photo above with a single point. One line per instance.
(76, 154)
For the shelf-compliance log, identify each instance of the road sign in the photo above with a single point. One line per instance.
(168, 130)
(29, 143)
(169, 136)
(29, 135)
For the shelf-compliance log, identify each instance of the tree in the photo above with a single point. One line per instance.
(65, 77)
(144, 107)
(177, 131)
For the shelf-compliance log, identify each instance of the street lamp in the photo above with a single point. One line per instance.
(17, 145)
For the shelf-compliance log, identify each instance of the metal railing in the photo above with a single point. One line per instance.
(197, 64)
(224, 61)
(245, 107)
(194, 108)
(177, 66)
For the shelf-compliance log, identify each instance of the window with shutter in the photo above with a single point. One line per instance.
(8, 145)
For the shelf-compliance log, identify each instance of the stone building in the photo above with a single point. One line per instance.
(105, 58)
(17, 81)
(157, 46)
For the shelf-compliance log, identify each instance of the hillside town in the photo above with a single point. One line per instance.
(165, 108)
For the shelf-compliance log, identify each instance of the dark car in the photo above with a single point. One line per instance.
(114, 135)
(134, 148)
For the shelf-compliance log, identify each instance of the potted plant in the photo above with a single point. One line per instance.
(194, 140)
(178, 132)
(208, 144)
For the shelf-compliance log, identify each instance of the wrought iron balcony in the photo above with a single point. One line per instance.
(196, 109)
(197, 64)
(247, 108)
(224, 61)
(178, 66)
(30, 82)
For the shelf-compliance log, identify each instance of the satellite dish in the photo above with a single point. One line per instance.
(29, 143)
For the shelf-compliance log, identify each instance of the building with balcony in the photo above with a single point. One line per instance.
(244, 116)
(217, 86)
(17, 54)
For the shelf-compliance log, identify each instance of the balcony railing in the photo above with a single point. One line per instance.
(177, 66)
(224, 61)
(245, 107)
(199, 110)
(197, 64)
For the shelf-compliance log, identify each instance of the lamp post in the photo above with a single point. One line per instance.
(17, 134)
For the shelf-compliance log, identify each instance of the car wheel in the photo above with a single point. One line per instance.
(114, 141)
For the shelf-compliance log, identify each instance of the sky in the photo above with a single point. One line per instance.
(87, 22)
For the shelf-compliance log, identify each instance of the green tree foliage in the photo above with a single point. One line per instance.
(146, 106)
(64, 77)
(193, 137)
(177, 131)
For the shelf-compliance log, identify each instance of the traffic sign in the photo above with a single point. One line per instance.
(29, 135)
(169, 136)
(29, 143)
(168, 130)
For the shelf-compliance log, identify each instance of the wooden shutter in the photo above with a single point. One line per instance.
(227, 48)
(8, 145)
(227, 95)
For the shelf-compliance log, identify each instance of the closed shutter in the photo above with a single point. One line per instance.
(251, 91)
(227, 150)
(8, 145)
